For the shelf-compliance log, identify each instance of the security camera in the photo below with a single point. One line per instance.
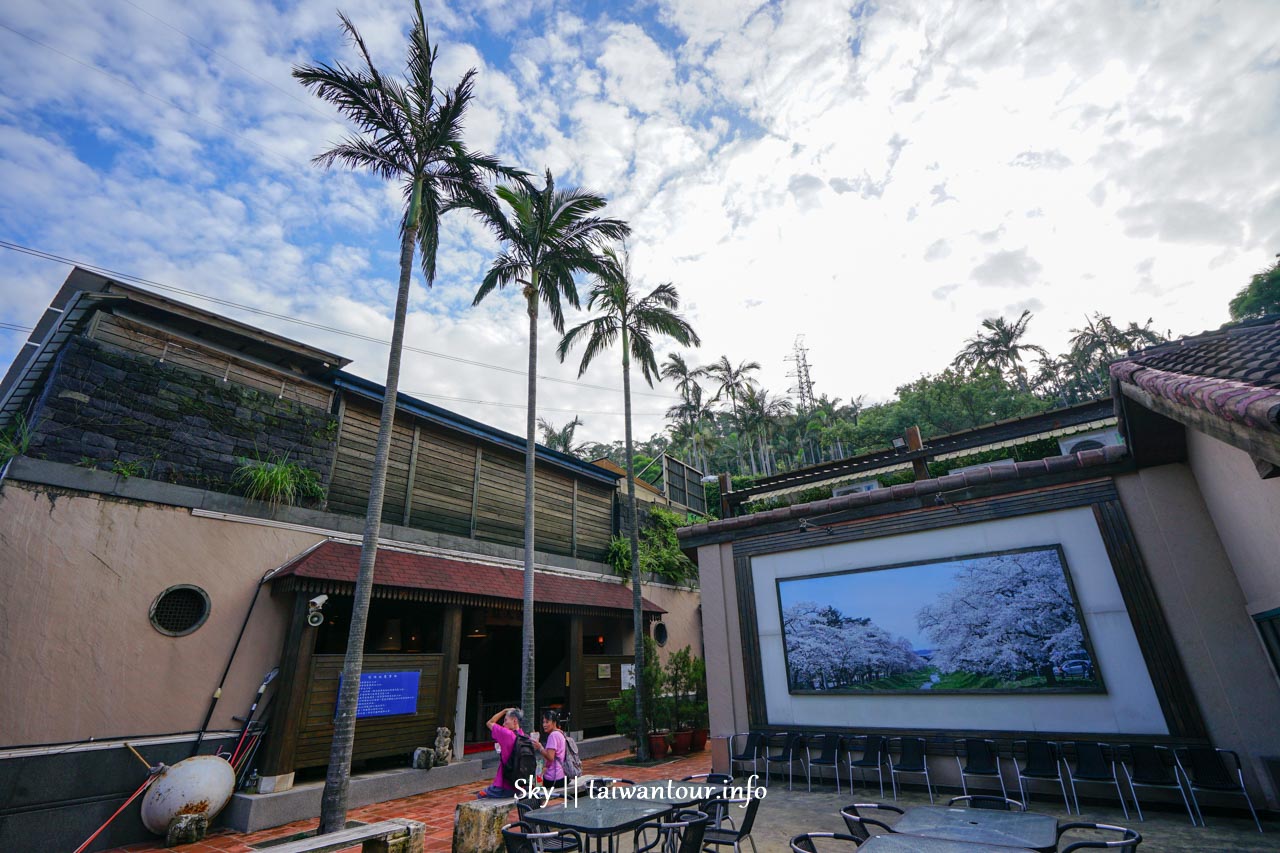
(314, 617)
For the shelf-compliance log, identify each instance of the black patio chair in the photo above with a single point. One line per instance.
(1153, 766)
(873, 750)
(792, 744)
(682, 833)
(710, 778)
(979, 801)
(751, 748)
(911, 759)
(857, 822)
(558, 844)
(981, 759)
(828, 757)
(1095, 762)
(1205, 769)
(1043, 763)
(1129, 838)
(521, 837)
(718, 836)
(804, 842)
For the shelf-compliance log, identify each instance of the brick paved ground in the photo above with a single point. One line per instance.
(781, 815)
(435, 809)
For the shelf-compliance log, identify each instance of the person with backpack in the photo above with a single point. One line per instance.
(519, 757)
(556, 751)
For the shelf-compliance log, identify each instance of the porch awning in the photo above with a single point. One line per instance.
(404, 574)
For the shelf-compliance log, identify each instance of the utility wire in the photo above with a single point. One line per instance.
(541, 408)
(14, 327)
(48, 256)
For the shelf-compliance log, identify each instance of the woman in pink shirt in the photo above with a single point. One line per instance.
(553, 752)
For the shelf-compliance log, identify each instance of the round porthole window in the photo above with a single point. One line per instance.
(660, 633)
(179, 610)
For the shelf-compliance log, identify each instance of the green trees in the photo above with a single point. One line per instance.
(548, 236)
(1261, 296)
(409, 131)
(561, 438)
(632, 320)
(999, 345)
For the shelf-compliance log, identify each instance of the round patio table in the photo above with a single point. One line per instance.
(1028, 830)
(597, 817)
(897, 842)
(676, 792)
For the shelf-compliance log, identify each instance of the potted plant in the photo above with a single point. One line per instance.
(656, 705)
(700, 712)
(679, 680)
(624, 715)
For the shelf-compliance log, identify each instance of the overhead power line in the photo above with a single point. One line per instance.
(49, 256)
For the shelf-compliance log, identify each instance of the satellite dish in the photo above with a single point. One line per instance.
(202, 784)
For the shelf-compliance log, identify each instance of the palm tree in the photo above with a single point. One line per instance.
(1000, 347)
(561, 438)
(636, 319)
(733, 380)
(549, 236)
(760, 415)
(410, 131)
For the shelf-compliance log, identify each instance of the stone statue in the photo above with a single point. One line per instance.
(424, 758)
(444, 746)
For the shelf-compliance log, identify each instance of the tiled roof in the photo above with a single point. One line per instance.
(339, 561)
(1233, 373)
(920, 488)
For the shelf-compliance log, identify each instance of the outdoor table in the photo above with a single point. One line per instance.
(677, 792)
(897, 842)
(597, 817)
(983, 826)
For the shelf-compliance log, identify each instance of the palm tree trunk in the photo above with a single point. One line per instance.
(528, 689)
(333, 801)
(637, 613)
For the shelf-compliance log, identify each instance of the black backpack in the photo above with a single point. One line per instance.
(522, 763)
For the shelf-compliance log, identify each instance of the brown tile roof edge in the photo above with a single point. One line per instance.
(964, 479)
(1227, 399)
(339, 561)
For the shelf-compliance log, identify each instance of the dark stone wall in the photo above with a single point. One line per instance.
(117, 411)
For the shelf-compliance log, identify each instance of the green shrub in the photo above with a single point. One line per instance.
(277, 481)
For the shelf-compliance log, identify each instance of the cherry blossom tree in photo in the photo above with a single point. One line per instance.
(827, 650)
(1008, 615)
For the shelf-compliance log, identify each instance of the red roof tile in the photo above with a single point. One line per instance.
(338, 561)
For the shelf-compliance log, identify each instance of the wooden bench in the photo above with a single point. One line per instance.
(398, 835)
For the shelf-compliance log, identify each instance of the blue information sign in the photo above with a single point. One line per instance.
(385, 694)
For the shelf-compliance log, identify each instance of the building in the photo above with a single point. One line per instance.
(1145, 572)
(137, 572)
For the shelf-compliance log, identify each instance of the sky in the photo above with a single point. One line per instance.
(877, 178)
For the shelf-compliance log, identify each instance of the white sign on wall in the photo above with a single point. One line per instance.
(628, 672)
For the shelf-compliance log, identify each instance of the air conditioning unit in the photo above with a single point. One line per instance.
(853, 488)
(1090, 441)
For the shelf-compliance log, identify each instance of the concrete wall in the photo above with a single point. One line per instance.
(683, 617)
(1246, 511)
(1207, 611)
(722, 643)
(79, 655)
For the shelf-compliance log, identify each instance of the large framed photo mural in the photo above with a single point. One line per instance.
(1001, 622)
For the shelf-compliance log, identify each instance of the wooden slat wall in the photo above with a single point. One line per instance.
(375, 736)
(500, 506)
(140, 338)
(595, 520)
(445, 484)
(598, 692)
